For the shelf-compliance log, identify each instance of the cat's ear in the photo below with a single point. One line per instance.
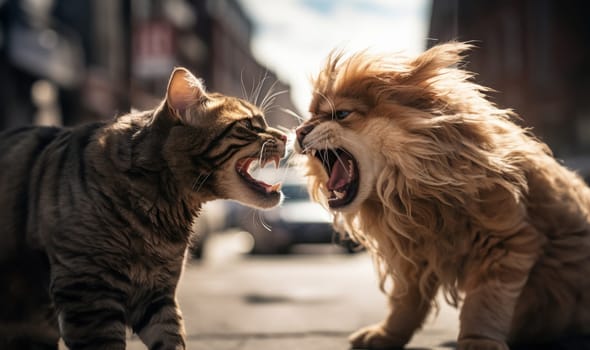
(184, 91)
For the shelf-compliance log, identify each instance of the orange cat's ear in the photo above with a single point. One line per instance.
(184, 91)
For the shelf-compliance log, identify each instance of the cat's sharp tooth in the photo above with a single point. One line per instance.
(339, 194)
(253, 165)
(313, 152)
(266, 161)
(276, 187)
(277, 161)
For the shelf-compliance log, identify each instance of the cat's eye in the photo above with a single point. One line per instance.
(248, 124)
(341, 114)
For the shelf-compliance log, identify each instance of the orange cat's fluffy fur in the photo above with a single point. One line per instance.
(449, 194)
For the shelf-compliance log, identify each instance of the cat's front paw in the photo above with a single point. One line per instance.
(481, 344)
(375, 337)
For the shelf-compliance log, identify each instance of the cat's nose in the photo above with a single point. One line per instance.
(303, 131)
(283, 137)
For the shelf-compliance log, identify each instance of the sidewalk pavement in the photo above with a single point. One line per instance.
(299, 302)
(311, 301)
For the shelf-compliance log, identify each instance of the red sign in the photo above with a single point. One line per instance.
(153, 49)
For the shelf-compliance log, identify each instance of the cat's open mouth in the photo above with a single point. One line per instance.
(243, 167)
(343, 172)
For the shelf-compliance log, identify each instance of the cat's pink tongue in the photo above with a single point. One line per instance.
(341, 173)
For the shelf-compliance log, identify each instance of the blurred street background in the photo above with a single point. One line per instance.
(281, 278)
(70, 61)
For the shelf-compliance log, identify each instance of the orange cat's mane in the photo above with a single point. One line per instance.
(458, 149)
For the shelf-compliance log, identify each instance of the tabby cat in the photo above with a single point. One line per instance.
(95, 220)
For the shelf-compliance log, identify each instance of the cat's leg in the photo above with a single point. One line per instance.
(485, 317)
(160, 325)
(91, 313)
(408, 309)
(491, 293)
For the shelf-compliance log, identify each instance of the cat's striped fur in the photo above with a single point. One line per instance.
(95, 220)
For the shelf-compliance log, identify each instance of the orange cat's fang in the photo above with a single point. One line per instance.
(343, 175)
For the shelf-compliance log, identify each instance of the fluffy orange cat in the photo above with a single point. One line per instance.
(449, 194)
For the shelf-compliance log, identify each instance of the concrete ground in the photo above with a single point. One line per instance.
(312, 300)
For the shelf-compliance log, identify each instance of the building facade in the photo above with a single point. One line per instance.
(535, 54)
(69, 61)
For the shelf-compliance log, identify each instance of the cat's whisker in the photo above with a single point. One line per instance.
(342, 163)
(325, 158)
(261, 219)
(258, 89)
(252, 91)
(200, 182)
(270, 98)
(288, 131)
(271, 107)
(253, 212)
(288, 159)
(312, 144)
(257, 217)
(309, 147)
(341, 137)
(330, 103)
(269, 95)
(261, 157)
(293, 114)
(287, 170)
(255, 90)
(347, 152)
(243, 86)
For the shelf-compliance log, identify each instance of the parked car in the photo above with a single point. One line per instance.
(298, 220)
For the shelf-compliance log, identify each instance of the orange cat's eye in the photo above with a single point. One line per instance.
(341, 114)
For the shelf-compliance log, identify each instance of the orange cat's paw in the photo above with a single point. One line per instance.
(375, 337)
(481, 344)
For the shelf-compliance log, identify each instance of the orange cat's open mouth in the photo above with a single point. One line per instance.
(342, 168)
(243, 167)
